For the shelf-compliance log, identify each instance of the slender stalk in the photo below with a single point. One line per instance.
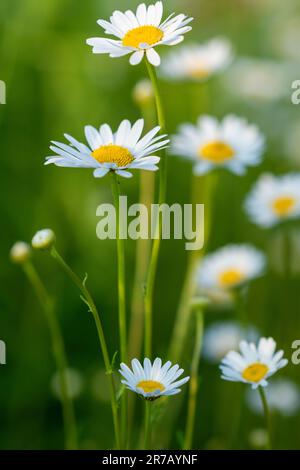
(161, 198)
(182, 319)
(121, 298)
(59, 354)
(88, 299)
(267, 416)
(121, 271)
(147, 428)
(193, 389)
(240, 306)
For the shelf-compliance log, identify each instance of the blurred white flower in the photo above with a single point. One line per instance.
(222, 337)
(140, 33)
(107, 151)
(230, 267)
(254, 364)
(258, 438)
(197, 62)
(233, 144)
(274, 199)
(152, 380)
(20, 252)
(143, 92)
(286, 38)
(258, 79)
(75, 383)
(43, 239)
(283, 396)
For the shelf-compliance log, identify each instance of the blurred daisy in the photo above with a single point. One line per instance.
(152, 380)
(74, 380)
(231, 267)
(107, 151)
(259, 80)
(283, 396)
(274, 199)
(255, 364)
(197, 61)
(232, 143)
(221, 337)
(140, 33)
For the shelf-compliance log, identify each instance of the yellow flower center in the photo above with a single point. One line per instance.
(255, 372)
(231, 277)
(113, 154)
(216, 152)
(283, 206)
(198, 71)
(150, 386)
(143, 34)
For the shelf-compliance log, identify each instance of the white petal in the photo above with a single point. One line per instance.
(153, 57)
(100, 172)
(136, 57)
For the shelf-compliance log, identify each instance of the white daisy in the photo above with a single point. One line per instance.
(140, 33)
(274, 199)
(232, 143)
(221, 337)
(197, 61)
(152, 380)
(107, 151)
(255, 364)
(230, 267)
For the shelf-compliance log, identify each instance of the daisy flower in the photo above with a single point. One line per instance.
(107, 151)
(197, 61)
(254, 364)
(152, 380)
(231, 267)
(232, 143)
(221, 337)
(274, 199)
(140, 33)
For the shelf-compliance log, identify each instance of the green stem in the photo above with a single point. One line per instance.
(240, 303)
(193, 389)
(267, 416)
(87, 297)
(161, 199)
(147, 429)
(59, 354)
(121, 297)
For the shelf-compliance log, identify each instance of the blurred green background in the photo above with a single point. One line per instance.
(56, 85)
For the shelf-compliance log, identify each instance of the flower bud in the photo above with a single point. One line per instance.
(143, 92)
(43, 239)
(20, 252)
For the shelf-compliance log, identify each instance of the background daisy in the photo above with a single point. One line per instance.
(233, 144)
(254, 364)
(197, 61)
(140, 33)
(231, 266)
(107, 151)
(274, 199)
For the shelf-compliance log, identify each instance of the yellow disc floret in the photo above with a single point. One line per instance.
(231, 277)
(113, 154)
(283, 206)
(142, 35)
(255, 372)
(216, 152)
(149, 386)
